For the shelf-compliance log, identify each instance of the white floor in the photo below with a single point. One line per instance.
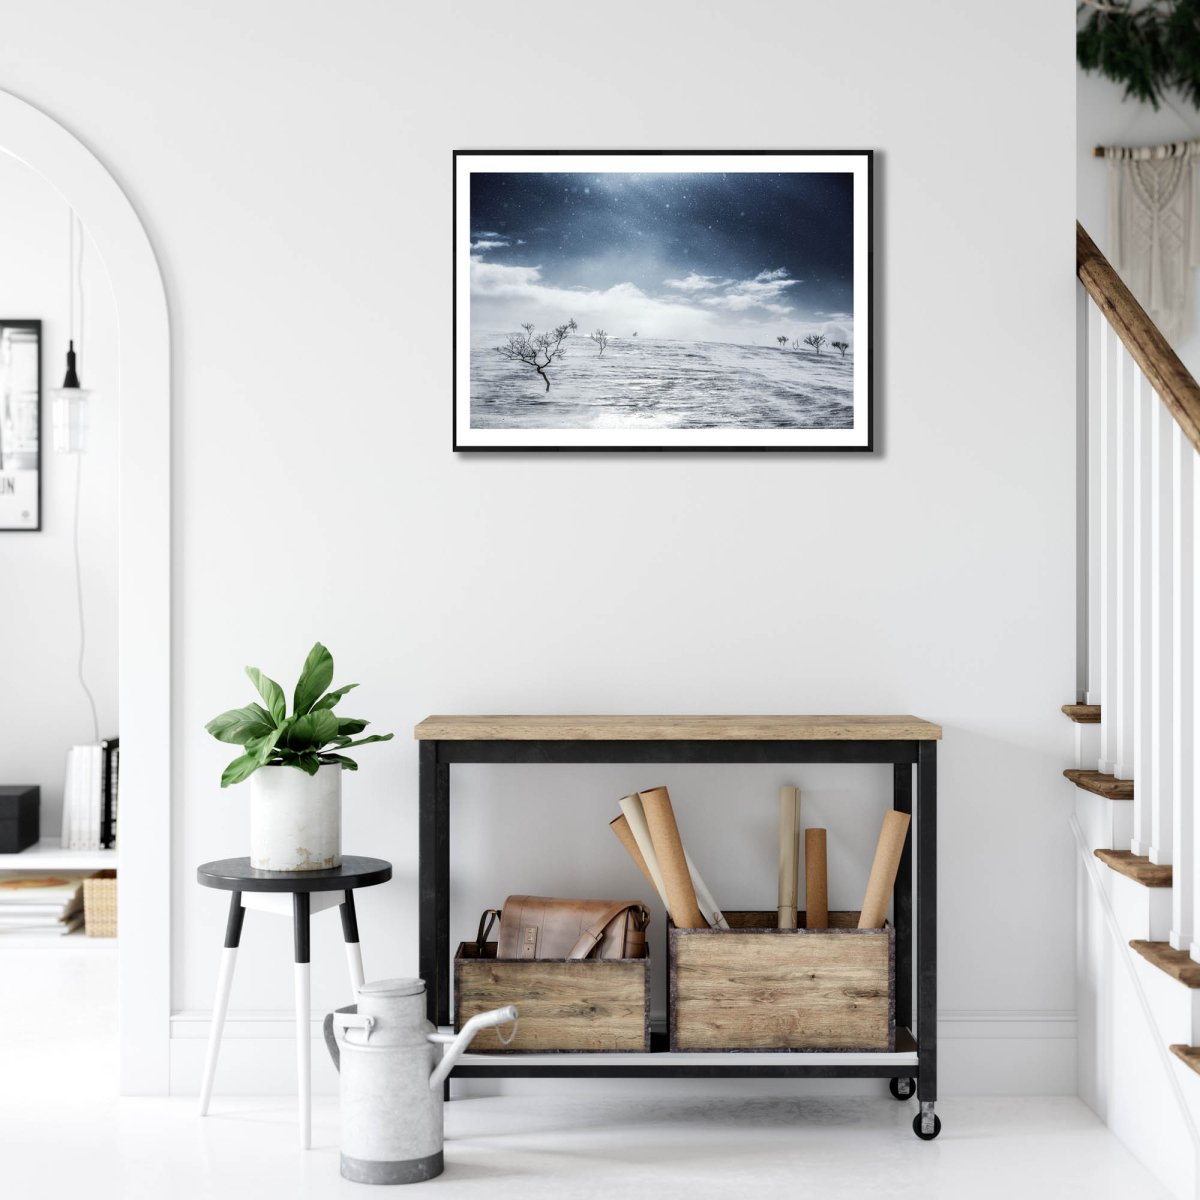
(62, 1134)
(528, 1148)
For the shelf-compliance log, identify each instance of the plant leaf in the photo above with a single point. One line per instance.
(308, 763)
(331, 698)
(271, 693)
(350, 725)
(315, 676)
(375, 737)
(265, 747)
(348, 764)
(310, 731)
(241, 725)
(241, 768)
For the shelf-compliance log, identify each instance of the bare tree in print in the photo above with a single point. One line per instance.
(538, 350)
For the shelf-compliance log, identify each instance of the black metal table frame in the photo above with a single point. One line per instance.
(436, 759)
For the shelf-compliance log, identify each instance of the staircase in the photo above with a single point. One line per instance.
(1136, 774)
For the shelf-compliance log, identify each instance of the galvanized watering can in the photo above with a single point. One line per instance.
(392, 1069)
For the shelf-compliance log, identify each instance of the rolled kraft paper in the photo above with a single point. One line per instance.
(672, 862)
(704, 898)
(620, 826)
(789, 845)
(816, 880)
(635, 819)
(883, 870)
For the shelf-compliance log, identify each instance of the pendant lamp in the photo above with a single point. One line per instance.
(70, 408)
(69, 403)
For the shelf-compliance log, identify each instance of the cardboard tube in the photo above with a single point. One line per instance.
(620, 826)
(883, 869)
(789, 845)
(668, 848)
(816, 880)
(635, 819)
(704, 898)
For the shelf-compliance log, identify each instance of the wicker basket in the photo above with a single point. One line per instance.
(100, 904)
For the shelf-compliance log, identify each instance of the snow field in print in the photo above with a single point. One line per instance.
(659, 383)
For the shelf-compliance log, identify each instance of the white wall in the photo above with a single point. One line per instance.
(1105, 118)
(43, 710)
(295, 177)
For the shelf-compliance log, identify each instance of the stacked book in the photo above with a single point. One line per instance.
(90, 793)
(46, 903)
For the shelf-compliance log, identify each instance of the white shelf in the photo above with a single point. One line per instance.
(48, 855)
(807, 1058)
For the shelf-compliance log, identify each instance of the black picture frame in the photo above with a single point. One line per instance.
(863, 440)
(21, 430)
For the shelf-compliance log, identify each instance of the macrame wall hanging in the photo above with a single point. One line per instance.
(1154, 228)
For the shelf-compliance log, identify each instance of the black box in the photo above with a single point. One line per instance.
(19, 817)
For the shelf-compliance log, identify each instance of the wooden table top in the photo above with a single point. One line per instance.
(859, 728)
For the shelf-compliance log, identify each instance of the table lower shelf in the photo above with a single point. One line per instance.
(664, 1063)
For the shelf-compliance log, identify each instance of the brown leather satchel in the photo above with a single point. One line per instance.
(543, 927)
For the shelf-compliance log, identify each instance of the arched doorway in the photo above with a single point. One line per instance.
(144, 577)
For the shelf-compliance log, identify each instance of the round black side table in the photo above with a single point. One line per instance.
(268, 891)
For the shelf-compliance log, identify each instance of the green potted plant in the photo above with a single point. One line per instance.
(294, 764)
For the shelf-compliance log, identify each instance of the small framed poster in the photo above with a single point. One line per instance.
(20, 425)
(662, 300)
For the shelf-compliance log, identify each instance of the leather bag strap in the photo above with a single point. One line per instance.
(594, 932)
(485, 926)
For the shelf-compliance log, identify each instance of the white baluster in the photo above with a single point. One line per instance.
(1183, 596)
(1095, 348)
(1108, 547)
(1146, 404)
(1123, 677)
(1083, 308)
(1161, 775)
(1188, 853)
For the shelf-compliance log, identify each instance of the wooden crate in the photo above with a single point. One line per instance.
(589, 1005)
(756, 987)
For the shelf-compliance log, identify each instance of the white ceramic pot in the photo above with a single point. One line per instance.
(296, 819)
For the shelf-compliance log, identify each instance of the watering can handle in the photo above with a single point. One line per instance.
(341, 1018)
(331, 1042)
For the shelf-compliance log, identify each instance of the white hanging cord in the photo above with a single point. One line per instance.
(71, 218)
(87, 691)
(79, 278)
(74, 275)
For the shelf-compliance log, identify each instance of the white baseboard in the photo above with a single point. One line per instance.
(986, 1052)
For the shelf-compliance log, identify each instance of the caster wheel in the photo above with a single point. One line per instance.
(927, 1137)
(902, 1089)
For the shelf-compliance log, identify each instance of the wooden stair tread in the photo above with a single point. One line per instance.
(1176, 963)
(1136, 867)
(1083, 714)
(1108, 786)
(1189, 1055)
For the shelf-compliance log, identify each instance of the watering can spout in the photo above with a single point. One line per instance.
(456, 1049)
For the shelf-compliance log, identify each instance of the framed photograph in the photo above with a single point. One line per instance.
(662, 300)
(20, 425)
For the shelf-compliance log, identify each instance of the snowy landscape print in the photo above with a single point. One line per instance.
(663, 308)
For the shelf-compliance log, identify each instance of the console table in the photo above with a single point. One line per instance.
(905, 742)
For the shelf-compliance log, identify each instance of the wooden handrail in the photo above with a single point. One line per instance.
(1146, 345)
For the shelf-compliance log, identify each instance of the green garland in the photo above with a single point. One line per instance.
(1150, 49)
